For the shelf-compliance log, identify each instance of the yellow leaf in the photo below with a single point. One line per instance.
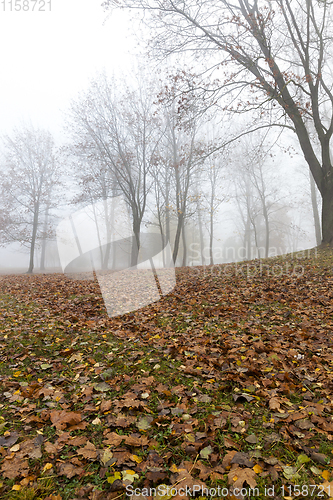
(129, 475)
(106, 456)
(136, 459)
(257, 469)
(16, 487)
(47, 466)
(325, 474)
(190, 437)
(112, 479)
(173, 468)
(17, 374)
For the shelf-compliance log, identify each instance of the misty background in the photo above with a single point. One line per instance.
(87, 116)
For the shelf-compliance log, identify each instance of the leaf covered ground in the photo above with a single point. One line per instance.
(225, 384)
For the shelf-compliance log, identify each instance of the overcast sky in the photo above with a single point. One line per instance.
(47, 57)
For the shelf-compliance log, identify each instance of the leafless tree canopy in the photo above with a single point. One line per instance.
(30, 174)
(273, 56)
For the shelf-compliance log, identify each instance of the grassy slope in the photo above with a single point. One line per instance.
(225, 382)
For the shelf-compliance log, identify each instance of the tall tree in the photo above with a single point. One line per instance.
(184, 151)
(214, 196)
(278, 53)
(95, 182)
(258, 193)
(315, 211)
(121, 134)
(30, 173)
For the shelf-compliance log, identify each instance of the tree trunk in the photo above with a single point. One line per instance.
(211, 238)
(167, 212)
(33, 239)
(327, 213)
(100, 247)
(177, 237)
(184, 245)
(135, 243)
(211, 216)
(43, 253)
(202, 243)
(163, 246)
(247, 239)
(256, 239)
(266, 230)
(106, 257)
(314, 202)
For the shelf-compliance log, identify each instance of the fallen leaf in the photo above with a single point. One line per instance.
(205, 452)
(9, 440)
(96, 421)
(257, 469)
(326, 474)
(62, 419)
(144, 422)
(251, 439)
(237, 477)
(129, 476)
(106, 458)
(47, 467)
(88, 451)
(102, 387)
(69, 470)
(274, 403)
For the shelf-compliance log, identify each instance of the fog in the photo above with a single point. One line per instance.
(107, 165)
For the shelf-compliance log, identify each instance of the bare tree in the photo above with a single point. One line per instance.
(30, 173)
(277, 54)
(185, 153)
(162, 185)
(258, 193)
(213, 172)
(120, 134)
(95, 182)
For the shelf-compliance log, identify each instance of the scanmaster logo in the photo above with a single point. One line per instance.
(98, 239)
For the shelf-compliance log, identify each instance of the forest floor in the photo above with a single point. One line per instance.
(223, 388)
